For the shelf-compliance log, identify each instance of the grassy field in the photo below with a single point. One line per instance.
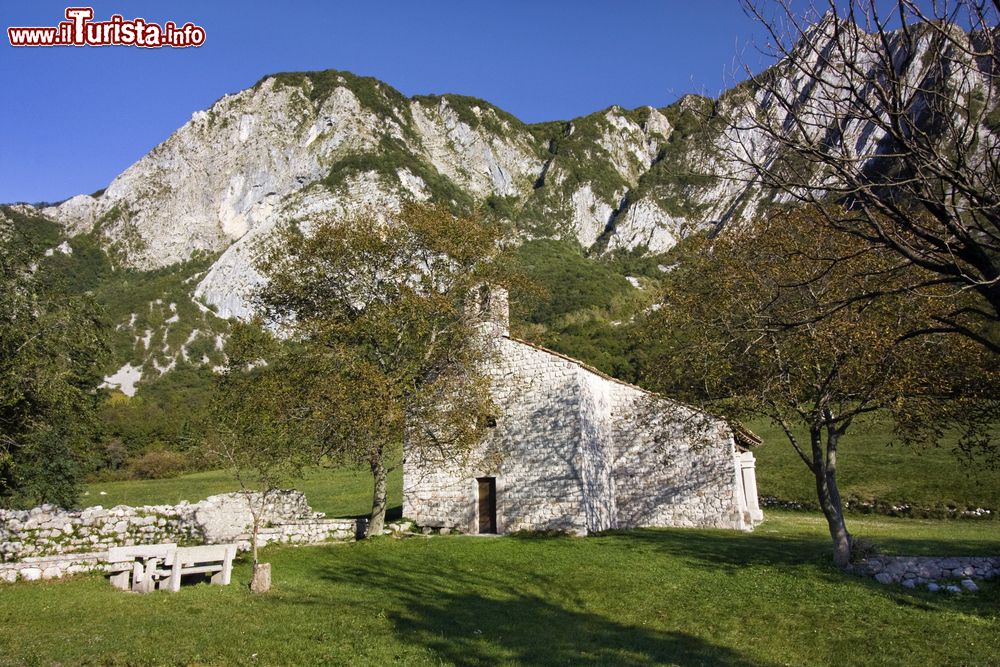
(340, 492)
(641, 597)
(638, 597)
(870, 469)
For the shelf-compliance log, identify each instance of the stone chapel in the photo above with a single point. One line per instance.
(575, 450)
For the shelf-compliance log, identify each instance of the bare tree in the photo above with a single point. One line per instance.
(255, 428)
(890, 109)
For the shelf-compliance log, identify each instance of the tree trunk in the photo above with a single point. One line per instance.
(253, 540)
(376, 522)
(834, 513)
(260, 581)
(825, 472)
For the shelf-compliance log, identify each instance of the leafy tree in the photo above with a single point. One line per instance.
(897, 115)
(52, 349)
(255, 428)
(747, 326)
(385, 337)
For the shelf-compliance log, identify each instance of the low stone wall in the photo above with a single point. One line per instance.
(933, 572)
(307, 531)
(47, 542)
(53, 567)
(48, 530)
(886, 508)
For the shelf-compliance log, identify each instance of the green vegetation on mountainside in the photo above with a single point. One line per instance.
(678, 173)
(476, 113)
(579, 153)
(585, 309)
(575, 158)
(157, 328)
(373, 94)
(392, 156)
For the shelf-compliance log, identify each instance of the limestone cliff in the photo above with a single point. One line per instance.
(301, 144)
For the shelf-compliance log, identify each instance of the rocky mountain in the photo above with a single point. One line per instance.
(305, 144)
(296, 145)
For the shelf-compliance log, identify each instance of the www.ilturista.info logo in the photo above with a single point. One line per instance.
(80, 30)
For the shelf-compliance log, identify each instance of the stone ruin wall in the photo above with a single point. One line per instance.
(581, 453)
(47, 542)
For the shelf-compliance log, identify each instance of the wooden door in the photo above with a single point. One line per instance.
(487, 504)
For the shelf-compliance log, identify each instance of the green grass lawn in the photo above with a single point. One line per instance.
(870, 469)
(338, 492)
(641, 597)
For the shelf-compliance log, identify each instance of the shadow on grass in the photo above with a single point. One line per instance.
(731, 553)
(985, 603)
(906, 546)
(729, 550)
(470, 618)
(715, 549)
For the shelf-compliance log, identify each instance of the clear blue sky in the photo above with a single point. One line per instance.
(71, 119)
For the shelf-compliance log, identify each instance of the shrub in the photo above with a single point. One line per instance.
(157, 465)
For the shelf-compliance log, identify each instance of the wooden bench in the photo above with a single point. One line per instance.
(214, 559)
(139, 564)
